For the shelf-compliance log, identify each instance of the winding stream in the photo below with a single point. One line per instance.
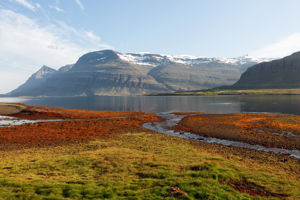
(173, 120)
(12, 121)
(163, 127)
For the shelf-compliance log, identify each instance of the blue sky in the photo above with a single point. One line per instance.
(57, 32)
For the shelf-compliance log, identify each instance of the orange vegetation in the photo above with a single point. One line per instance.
(270, 130)
(34, 112)
(52, 133)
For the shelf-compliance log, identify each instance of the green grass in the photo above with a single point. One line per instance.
(235, 92)
(132, 166)
(13, 105)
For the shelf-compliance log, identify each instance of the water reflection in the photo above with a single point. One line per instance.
(210, 104)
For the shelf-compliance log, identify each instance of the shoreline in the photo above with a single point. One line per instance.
(269, 127)
(217, 92)
(71, 150)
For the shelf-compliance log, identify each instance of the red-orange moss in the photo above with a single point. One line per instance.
(253, 128)
(35, 112)
(52, 133)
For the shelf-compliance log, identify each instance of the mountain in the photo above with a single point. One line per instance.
(108, 72)
(282, 73)
(34, 81)
(66, 68)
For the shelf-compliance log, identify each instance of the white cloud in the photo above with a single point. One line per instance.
(38, 5)
(26, 4)
(78, 2)
(92, 36)
(26, 46)
(281, 48)
(58, 9)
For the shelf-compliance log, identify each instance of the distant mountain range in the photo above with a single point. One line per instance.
(283, 73)
(109, 72)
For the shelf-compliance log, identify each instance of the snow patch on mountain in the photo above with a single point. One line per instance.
(138, 60)
(153, 60)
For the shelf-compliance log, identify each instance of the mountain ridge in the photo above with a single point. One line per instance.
(109, 72)
(277, 74)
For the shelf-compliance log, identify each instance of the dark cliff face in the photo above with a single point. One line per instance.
(109, 72)
(282, 73)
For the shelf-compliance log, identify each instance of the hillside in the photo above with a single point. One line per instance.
(109, 72)
(277, 77)
(282, 73)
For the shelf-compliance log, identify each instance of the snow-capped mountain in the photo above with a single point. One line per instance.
(108, 72)
(156, 59)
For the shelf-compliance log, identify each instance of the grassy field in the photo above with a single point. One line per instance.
(143, 165)
(235, 92)
(118, 159)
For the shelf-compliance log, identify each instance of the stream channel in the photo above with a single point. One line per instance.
(163, 127)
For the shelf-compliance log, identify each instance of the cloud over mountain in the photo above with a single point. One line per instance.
(26, 44)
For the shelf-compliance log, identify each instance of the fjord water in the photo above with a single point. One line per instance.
(289, 104)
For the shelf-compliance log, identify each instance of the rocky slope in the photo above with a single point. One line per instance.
(282, 73)
(109, 72)
(34, 82)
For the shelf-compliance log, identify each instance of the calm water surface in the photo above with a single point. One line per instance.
(211, 104)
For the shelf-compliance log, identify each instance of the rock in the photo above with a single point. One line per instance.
(176, 192)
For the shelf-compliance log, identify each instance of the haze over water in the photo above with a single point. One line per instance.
(289, 104)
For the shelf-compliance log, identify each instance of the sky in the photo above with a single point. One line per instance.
(57, 32)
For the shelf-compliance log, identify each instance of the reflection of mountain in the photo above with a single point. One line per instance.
(144, 103)
(282, 73)
(289, 104)
(109, 72)
(211, 104)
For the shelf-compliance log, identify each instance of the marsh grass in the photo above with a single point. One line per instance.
(11, 108)
(295, 91)
(133, 166)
